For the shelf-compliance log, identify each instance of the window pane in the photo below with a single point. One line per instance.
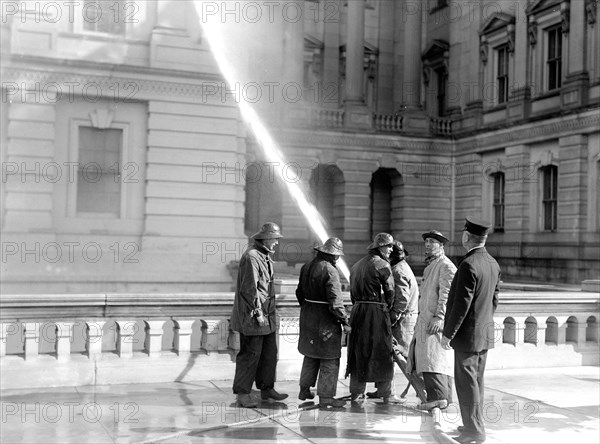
(104, 16)
(98, 183)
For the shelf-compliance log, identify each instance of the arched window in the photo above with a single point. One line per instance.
(509, 334)
(551, 331)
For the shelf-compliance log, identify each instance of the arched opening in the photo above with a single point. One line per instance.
(385, 202)
(572, 327)
(509, 334)
(327, 193)
(591, 331)
(551, 331)
(531, 331)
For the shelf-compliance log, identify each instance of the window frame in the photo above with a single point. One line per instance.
(553, 59)
(79, 20)
(499, 203)
(549, 201)
(502, 73)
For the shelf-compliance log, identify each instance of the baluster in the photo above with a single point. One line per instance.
(93, 340)
(233, 340)
(182, 336)
(125, 333)
(214, 335)
(64, 336)
(6, 329)
(562, 329)
(153, 339)
(32, 340)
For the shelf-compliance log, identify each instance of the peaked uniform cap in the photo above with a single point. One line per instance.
(269, 230)
(332, 246)
(381, 240)
(435, 234)
(476, 226)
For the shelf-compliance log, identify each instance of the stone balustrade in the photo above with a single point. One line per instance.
(440, 126)
(80, 339)
(388, 122)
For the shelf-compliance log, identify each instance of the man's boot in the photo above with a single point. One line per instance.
(245, 400)
(305, 394)
(273, 394)
(331, 402)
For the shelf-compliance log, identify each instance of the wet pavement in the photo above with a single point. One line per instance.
(556, 405)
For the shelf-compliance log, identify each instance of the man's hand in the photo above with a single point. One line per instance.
(436, 325)
(347, 329)
(446, 343)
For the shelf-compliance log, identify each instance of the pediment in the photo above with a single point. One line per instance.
(311, 42)
(497, 20)
(436, 50)
(541, 5)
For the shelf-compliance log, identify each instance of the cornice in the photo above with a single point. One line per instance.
(529, 133)
(41, 71)
(341, 140)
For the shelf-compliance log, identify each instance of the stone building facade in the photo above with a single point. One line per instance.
(127, 166)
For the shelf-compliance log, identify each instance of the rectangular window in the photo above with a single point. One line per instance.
(99, 179)
(106, 16)
(499, 202)
(554, 60)
(502, 74)
(549, 198)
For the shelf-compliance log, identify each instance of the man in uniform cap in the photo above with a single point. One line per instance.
(370, 350)
(254, 317)
(431, 360)
(322, 317)
(469, 326)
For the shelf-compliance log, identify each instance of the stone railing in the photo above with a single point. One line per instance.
(326, 118)
(82, 339)
(440, 126)
(388, 122)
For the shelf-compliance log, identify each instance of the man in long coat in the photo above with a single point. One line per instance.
(370, 347)
(469, 326)
(322, 317)
(254, 317)
(432, 360)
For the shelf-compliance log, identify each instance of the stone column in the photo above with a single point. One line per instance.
(574, 92)
(331, 59)
(293, 68)
(357, 114)
(415, 120)
(519, 106)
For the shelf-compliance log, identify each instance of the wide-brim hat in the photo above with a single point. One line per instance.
(332, 246)
(269, 230)
(435, 234)
(476, 226)
(381, 240)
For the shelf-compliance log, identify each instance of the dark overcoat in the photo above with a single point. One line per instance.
(370, 354)
(472, 301)
(322, 311)
(255, 280)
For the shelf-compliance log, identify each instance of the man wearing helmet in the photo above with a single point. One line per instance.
(254, 317)
(322, 314)
(370, 350)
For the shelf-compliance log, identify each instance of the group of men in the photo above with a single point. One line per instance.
(452, 309)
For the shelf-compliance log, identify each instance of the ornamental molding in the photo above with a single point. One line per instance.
(343, 141)
(114, 85)
(528, 133)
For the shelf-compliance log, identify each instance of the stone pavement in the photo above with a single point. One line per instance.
(556, 405)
